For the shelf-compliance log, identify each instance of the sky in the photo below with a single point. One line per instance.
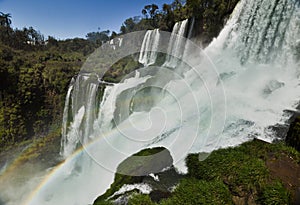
(64, 19)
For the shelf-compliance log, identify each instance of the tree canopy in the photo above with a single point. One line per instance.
(5, 19)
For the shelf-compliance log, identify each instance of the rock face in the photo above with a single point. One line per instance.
(151, 167)
(293, 135)
(146, 162)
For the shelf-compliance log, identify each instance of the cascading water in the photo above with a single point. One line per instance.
(256, 57)
(65, 118)
(86, 86)
(150, 42)
(176, 44)
(268, 31)
(257, 72)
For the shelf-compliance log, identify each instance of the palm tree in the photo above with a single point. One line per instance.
(5, 19)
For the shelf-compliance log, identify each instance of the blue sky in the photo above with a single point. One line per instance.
(73, 18)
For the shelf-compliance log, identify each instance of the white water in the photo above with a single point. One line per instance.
(104, 123)
(65, 118)
(177, 44)
(254, 56)
(143, 188)
(78, 132)
(150, 44)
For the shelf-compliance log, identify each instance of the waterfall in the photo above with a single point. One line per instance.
(149, 47)
(263, 31)
(176, 44)
(108, 105)
(233, 91)
(81, 119)
(65, 118)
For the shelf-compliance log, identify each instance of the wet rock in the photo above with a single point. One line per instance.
(293, 135)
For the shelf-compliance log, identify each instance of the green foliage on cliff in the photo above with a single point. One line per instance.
(247, 174)
(34, 80)
(210, 16)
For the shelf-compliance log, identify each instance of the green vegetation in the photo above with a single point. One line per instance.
(35, 74)
(247, 174)
(139, 199)
(274, 194)
(99, 37)
(193, 191)
(210, 17)
(33, 87)
(243, 169)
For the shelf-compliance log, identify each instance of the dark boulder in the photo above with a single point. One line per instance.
(293, 135)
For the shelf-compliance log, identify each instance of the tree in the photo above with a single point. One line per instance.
(52, 41)
(5, 19)
(150, 11)
(35, 37)
(177, 4)
(113, 35)
(128, 26)
(168, 18)
(98, 37)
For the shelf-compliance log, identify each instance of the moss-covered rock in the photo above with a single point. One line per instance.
(146, 162)
(136, 169)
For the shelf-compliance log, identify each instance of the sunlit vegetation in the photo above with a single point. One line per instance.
(239, 175)
(210, 16)
(33, 86)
